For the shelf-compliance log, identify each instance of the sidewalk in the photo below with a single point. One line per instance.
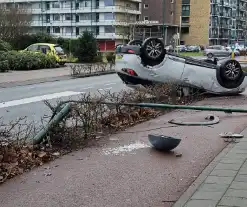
(15, 78)
(223, 183)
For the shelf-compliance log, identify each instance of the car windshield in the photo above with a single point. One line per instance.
(59, 50)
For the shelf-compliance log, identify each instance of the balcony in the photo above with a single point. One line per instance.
(102, 9)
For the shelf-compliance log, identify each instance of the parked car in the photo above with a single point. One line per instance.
(181, 48)
(150, 64)
(193, 48)
(49, 49)
(216, 51)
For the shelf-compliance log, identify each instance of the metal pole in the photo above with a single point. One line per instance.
(180, 29)
(163, 20)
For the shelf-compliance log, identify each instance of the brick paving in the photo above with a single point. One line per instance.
(226, 184)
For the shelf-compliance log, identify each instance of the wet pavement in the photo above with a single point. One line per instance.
(123, 170)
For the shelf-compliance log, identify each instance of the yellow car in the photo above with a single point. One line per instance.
(49, 49)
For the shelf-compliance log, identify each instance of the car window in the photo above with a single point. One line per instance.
(59, 50)
(32, 48)
(44, 48)
(217, 48)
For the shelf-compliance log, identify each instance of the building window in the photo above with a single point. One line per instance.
(56, 17)
(146, 6)
(56, 29)
(185, 10)
(171, 13)
(55, 5)
(109, 29)
(68, 17)
(146, 18)
(68, 30)
(109, 16)
(109, 2)
(85, 16)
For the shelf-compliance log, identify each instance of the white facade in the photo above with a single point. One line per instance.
(69, 18)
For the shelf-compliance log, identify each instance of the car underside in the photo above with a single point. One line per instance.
(147, 63)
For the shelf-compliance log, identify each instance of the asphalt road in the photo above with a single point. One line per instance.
(28, 100)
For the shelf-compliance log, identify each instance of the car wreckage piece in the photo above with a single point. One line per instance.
(147, 63)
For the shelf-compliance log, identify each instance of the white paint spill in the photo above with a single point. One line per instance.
(125, 149)
(38, 98)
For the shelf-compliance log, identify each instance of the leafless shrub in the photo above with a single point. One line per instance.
(93, 116)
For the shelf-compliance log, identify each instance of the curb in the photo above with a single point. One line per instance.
(187, 194)
(94, 74)
(51, 79)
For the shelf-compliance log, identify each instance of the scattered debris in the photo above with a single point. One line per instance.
(212, 120)
(56, 154)
(178, 154)
(163, 143)
(231, 137)
(47, 174)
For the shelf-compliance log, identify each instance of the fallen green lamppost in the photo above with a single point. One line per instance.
(56, 119)
(66, 109)
(200, 108)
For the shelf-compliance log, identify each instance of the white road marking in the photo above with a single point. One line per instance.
(87, 88)
(38, 98)
(109, 84)
(105, 89)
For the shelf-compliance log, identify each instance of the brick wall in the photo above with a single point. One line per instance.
(199, 22)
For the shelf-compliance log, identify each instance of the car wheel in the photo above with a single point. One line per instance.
(153, 49)
(230, 74)
(135, 42)
(210, 55)
(231, 70)
(61, 64)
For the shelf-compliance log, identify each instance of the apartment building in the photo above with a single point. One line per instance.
(163, 13)
(108, 19)
(207, 22)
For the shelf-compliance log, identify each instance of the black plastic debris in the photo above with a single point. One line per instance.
(163, 143)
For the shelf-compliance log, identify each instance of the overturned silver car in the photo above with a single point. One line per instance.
(147, 63)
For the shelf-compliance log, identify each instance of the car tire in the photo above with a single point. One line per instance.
(135, 42)
(210, 55)
(153, 49)
(230, 74)
(61, 64)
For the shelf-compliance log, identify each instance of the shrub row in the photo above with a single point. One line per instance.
(84, 48)
(13, 60)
